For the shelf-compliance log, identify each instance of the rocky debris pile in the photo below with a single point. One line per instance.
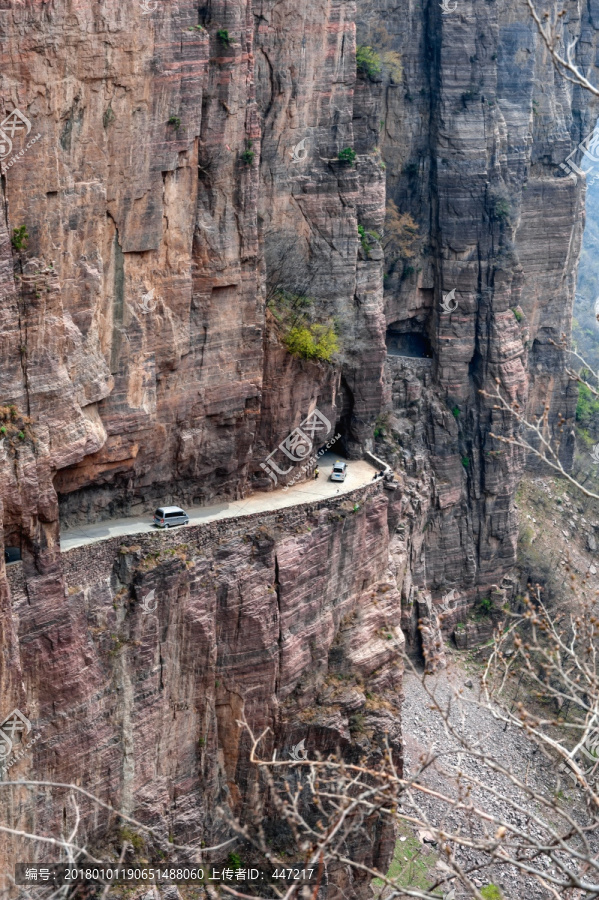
(424, 729)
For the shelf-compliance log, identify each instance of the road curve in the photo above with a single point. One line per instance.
(359, 474)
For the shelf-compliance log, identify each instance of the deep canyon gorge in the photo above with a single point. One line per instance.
(204, 171)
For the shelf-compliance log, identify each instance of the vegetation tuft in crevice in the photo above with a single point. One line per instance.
(20, 238)
(301, 330)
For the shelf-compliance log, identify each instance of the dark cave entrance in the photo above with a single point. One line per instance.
(348, 444)
(340, 446)
(404, 341)
(13, 544)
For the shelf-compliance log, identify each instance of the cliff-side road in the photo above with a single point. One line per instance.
(359, 473)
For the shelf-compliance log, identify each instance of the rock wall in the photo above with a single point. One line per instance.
(474, 133)
(188, 167)
(163, 191)
(259, 617)
(167, 198)
(140, 365)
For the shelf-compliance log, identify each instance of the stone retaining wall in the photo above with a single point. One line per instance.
(93, 562)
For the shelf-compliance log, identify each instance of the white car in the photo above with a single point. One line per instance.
(168, 516)
(339, 471)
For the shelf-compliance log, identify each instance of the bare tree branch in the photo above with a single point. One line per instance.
(564, 64)
(539, 429)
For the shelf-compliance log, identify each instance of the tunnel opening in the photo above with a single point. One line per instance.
(348, 445)
(339, 448)
(403, 341)
(13, 543)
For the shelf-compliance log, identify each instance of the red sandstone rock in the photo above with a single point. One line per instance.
(146, 362)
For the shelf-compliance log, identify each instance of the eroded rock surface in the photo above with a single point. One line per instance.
(475, 131)
(259, 618)
(188, 169)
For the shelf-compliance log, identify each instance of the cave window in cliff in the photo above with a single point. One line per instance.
(12, 544)
(403, 341)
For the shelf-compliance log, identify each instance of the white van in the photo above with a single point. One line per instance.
(167, 516)
(339, 471)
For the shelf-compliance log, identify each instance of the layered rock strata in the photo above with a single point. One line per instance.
(259, 618)
(474, 135)
(188, 170)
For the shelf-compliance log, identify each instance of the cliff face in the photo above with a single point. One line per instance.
(165, 172)
(473, 137)
(187, 172)
(260, 617)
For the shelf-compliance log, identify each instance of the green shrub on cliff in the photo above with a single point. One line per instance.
(312, 342)
(347, 155)
(368, 62)
(486, 605)
(248, 154)
(491, 892)
(364, 234)
(19, 237)
(587, 408)
(131, 837)
(14, 424)
(108, 117)
(377, 65)
(301, 330)
(500, 207)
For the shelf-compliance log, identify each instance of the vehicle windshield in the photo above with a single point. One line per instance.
(159, 513)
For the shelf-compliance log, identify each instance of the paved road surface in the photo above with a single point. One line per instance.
(359, 473)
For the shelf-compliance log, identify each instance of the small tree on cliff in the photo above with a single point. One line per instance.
(401, 238)
(302, 327)
(288, 268)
